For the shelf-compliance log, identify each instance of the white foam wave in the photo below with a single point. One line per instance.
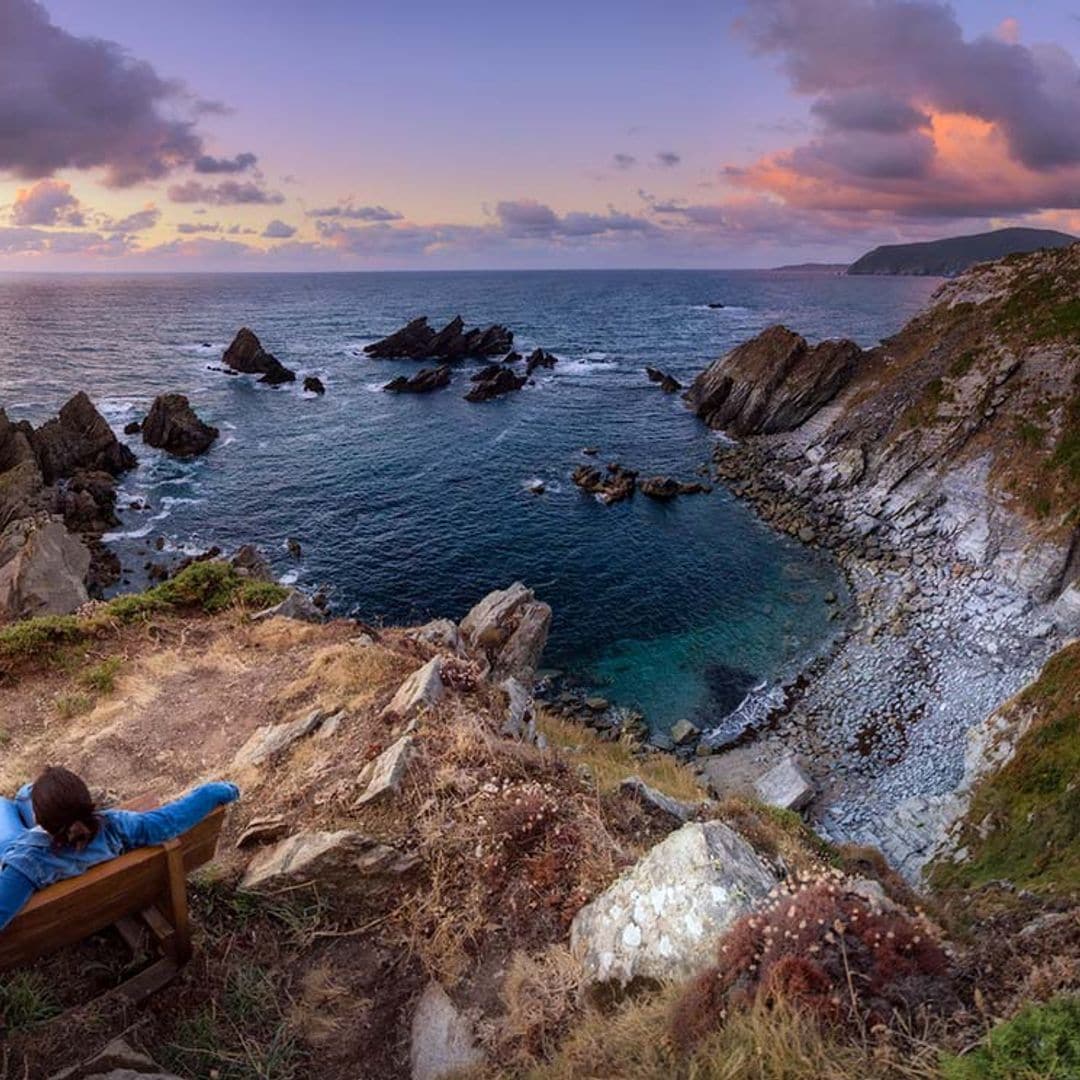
(290, 577)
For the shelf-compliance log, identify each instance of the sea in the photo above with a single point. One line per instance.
(413, 507)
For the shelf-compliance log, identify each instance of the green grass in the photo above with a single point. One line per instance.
(1030, 434)
(1032, 803)
(101, 677)
(68, 706)
(1042, 1042)
(209, 587)
(26, 1000)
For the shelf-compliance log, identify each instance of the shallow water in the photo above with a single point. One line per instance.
(414, 506)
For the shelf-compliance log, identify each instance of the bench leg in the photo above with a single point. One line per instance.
(178, 904)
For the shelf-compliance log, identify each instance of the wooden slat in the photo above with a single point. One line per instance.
(72, 910)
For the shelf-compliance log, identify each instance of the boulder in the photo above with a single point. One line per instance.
(79, 438)
(682, 732)
(272, 740)
(43, 569)
(662, 488)
(422, 689)
(118, 1061)
(637, 787)
(612, 486)
(133, 427)
(418, 341)
(423, 382)
(508, 629)
(247, 355)
(772, 383)
(441, 633)
(663, 919)
(539, 358)
(785, 785)
(296, 605)
(442, 1039)
(263, 830)
(172, 426)
(496, 381)
(314, 385)
(345, 863)
(249, 560)
(667, 383)
(382, 777)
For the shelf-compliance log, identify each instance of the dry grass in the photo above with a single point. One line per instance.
(354, 674)
(609, 763)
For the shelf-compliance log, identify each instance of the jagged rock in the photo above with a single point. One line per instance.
(662, 488)
(262, 831)
(345, 863)
(442, 633)
(442, 1039)
(772, 383)
(272, 740)
(668, 383)
(133, 427)
(496, 381)
(520, 721)
(664, 917)
(682, 731)
(314, 385)
(611, 487)
(295, 606)
(680, 811)
(423, 382)
(247, 355)
(785, 785)
(118, 1061)
(509, 629)
(79, 438)
(417, 341)
(172, 426)
(251, 561)
(382, 777)
(539, 358)
(43, 569)
(422, 689)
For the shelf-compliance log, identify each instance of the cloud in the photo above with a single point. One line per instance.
(82, 103)
(188, 228)
(48, 202)
(668, 158)
(279, 230)
(357, 213)
(623, 161)
(527, 218)
(146, 218)
(224, 193)
(205, 163)
(39, 242)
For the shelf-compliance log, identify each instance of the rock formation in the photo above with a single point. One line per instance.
(665, 488)
(314, 385)
(772, 383)
(43, 569)
(423, 382)
(172, 426)
(494, 381)
(610, 486)
(668, 383)
(539, 358)
(508, 629)
(418, 341)
(247, 356)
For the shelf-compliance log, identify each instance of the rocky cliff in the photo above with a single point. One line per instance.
(942, 470)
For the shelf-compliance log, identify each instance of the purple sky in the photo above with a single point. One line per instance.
(342, 135)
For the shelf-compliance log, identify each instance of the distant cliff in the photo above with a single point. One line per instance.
(953, 255)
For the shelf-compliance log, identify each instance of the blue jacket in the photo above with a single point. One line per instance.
(31, 861)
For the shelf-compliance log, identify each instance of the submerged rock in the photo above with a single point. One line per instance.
(418, 341)
(772, 383)
(247, 355)
(172, 426)
(494, 381)
(663, 918)
(423, 382)
(314, 385)
(540, 358)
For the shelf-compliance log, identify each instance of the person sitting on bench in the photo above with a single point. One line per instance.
(52, 831)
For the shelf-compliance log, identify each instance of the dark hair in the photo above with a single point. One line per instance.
(63, 807)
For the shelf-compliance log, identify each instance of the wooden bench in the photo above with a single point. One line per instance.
(149, 884)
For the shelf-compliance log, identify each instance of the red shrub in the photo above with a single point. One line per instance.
(828, 950)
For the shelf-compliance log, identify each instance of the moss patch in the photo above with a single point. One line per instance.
(1023, 824)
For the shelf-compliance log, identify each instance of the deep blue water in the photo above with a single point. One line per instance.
(414, 506)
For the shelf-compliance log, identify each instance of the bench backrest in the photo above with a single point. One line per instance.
(71, 910)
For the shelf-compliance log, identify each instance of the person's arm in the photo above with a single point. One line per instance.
(172, 819)
(15, 890)
(26, 810)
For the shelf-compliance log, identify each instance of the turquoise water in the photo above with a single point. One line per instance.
(409, 507)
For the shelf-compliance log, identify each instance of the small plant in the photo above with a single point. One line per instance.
(101, 677)
(1042, 1042)
(845, 960)
(26, 1000)
(68, 706)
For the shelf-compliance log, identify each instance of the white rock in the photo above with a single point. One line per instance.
(383, 776)
(43, 569)
(663, 918)
(682, 731)
(423, 688)
(272, 740)
(442, 1039)
(442, 633)
(295, 606)
(785, 785)
(520, 720)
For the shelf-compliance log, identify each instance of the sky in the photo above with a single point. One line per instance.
(413, 134)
